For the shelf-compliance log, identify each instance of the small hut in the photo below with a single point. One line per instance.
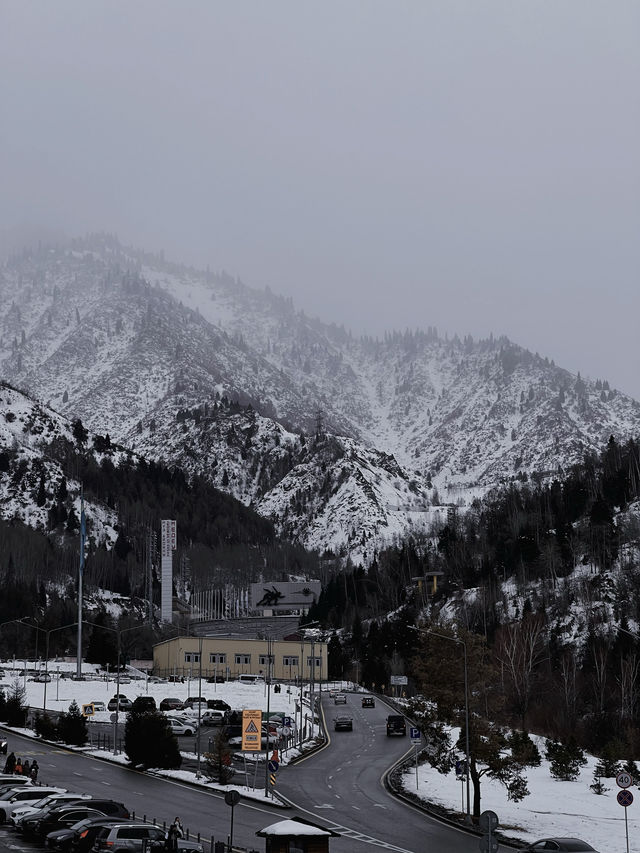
(297, 835)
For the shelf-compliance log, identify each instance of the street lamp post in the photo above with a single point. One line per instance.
(466, 705)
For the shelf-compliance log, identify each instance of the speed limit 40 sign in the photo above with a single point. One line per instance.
(624, 779)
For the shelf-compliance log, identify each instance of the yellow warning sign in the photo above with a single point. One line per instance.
(251, 731)
(88, 710)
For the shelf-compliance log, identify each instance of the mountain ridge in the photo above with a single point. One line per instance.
(143, 350)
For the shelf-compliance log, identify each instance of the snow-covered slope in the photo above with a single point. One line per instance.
(153, 354)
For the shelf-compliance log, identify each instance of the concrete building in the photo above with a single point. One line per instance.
(231, 657)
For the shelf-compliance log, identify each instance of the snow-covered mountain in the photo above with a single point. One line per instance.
(345, 440)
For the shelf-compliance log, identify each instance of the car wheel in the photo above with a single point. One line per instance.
(188, 732)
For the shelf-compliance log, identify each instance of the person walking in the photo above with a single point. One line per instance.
(34, 770)
(175, 832)
(10, 763)
(18, 767)
(26, 768)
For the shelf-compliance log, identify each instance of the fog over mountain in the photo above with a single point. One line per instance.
(467, 167)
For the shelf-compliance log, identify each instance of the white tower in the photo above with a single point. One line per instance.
(168, 546)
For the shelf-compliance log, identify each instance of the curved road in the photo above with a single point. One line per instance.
(339, 787)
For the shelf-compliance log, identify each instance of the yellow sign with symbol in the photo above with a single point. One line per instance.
(251, 731)
(88, 710)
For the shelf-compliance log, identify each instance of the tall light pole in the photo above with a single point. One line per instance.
(266, 751)
(466, 704)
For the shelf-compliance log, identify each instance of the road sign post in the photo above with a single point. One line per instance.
(488, 824)
(231, 798)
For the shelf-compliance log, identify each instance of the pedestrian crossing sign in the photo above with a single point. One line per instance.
(88, 710)
(251, 731)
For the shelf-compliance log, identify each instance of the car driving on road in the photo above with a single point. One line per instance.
(396, 725)
(343, 724)
(340, 699)
(368, 702)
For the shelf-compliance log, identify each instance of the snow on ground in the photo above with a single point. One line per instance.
(553, 808)
(61, 691)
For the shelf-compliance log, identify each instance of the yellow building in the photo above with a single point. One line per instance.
(232, 657)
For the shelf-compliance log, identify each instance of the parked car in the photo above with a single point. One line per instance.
(59, 818)
(396, 725)
(340, 699)
(343, 724)
(190, 701)
(170, 704)
(42, 677)
(368, 702)
(122, 704)
(80, 836)
(64, 816)
(43, 805)
(99, 706)
(216, 679)
(14, 799)
(187, 717)
(180, 727)
(127, 836)
(212, 718)
(567, 845)
(218, 705)
(144, 704)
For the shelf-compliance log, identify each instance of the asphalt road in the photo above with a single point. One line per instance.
(339, 787)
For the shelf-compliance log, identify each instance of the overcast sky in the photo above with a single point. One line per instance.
(469, 165)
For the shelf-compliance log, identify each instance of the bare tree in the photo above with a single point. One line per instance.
(520, 650)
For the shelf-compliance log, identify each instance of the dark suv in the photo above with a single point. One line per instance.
(396, 725)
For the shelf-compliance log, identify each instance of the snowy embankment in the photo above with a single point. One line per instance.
(553, 808)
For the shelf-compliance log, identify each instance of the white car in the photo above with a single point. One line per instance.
(178, 727)
(45, 802)
(188, 720)
(22, 797)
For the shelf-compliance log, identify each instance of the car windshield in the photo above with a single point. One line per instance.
(576, 846)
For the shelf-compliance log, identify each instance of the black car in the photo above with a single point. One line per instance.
(368, 702)
(171, 704)
(218, 705)
(216, 679)
(80, 836)
(343, 724)
(396, 725)
(68, 815)
(144, 705)
(564, 845)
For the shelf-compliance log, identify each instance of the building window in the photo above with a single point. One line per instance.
(264, 660)
(318, 662)
(243, 659)
(217, 657)
(290, 660)
(192, 657)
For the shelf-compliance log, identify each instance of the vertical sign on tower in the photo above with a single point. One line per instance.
(168, 546)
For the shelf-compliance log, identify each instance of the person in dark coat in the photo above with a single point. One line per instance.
(34, 770)
(175, 832)
(10, 763)
(26, 768)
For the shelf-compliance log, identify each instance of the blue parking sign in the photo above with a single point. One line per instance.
(415, 734)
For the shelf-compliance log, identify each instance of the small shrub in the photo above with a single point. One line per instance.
(565, 760)
(72, 727)
(524, 750)
(45, 727)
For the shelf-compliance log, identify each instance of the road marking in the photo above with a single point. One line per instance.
(380, 806)
(325, 806)
(357, 808)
